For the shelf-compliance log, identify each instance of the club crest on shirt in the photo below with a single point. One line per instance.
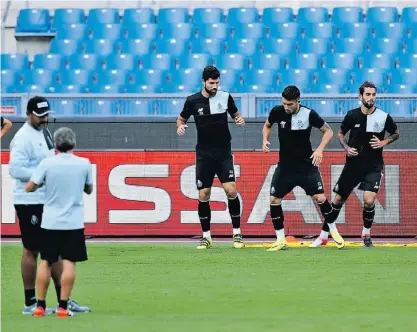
(377, 127)
(299, 124)
(220, 107)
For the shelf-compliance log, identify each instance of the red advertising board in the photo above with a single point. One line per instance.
(154, 193)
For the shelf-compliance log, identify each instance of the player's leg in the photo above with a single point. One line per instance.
(205, 170)
(72, 251)
(282, 183)
(226, 174)
(370, 186)
(29, 230)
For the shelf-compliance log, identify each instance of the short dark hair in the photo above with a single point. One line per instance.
(291, 92)
(211, 72)
(366, 84)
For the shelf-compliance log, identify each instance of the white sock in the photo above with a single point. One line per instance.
(332, 227)
(324, 235)
(366, 231)
(236, 231)
(207, 235)
(280, 234)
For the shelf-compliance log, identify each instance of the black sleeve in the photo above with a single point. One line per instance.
(390, 125)
(347, 123)
(2, 122)
(186, 110)
(316, 120)
(231, 106)
(273, 116)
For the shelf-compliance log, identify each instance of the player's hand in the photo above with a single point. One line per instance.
(317, 157)
(265, 147)
(351, 152)
(239, 121)
(181, 129)
(376, 143)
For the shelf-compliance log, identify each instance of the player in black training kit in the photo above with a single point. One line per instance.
(298, 164)
(364, 162)
(214, 155)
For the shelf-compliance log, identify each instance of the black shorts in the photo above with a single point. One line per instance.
(285, 180)
(352, 175)
(30, 218)
(67, 244)
(209, 164)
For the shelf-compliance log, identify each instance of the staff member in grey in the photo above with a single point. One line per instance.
(31, 144)
(66, 177)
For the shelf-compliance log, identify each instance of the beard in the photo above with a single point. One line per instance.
(368, 105)
(211, 92)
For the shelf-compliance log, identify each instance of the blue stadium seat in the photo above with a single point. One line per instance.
(246, 47)
(237, 16)
(85, 61)
(211, 46)
(73, 31)
(48, 61)
(99, 46)
(400, 88)
(250, 30)
(180, 88)
(401, 108)
(260, 77)
(314, 45)
(326, 108)
(59, 88)
(14, 61)
(408, 60)
(65, 46)
(411, 46)
(103, 16)
(295, 76)
(138, 16)
(390, 30)
(9, 77)
(404, 76)
(342, 15)
(135, 46)
(409, 15)
(213, 31)
(103, 88)
(377, 60)
(228, 77)
(140, 31)
(173, 15)
(382, 15)
(38, 77)
(177, 30)
(312, 15)
(334, 76)
(285, 30)
(208, 15)
(188, 76)
(230, 61)
(33, 20)
(142, 88)
(278, 46)
(274, 15)
(172, 46)
(132, 107)
(106, 31)
(340, 60)
(158, 61)
(195, 60)
(121, 61)
(385, 45)
(353, 30)
(112, 77)
(147, 77)
(266, 61)
(67, 16)
(327, 88)
(74, 77)
(33, 89)
(304, 61)
(349, 45)
(254, 88)
(319, 30)
(65, 107)
(376, 76)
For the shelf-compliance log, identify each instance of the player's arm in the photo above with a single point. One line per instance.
(88, 187)
(183, 118)
(392, 129)
(345, 127)
(234, 112)
(317, 121)
(19, 161)
(266, 130)
(5, 126)
(37, 178)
